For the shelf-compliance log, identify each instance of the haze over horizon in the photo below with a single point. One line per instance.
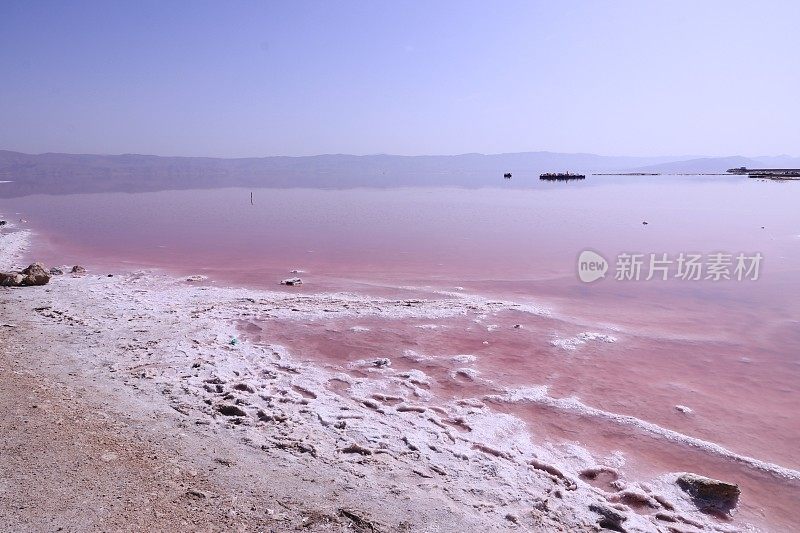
(246, 80)
(665, 157)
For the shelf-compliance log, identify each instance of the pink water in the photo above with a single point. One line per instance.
(729, 350)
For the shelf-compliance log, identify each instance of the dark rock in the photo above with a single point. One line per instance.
(359, 523)
(609, 518)
(56, 271)
(292, 282)
(382, 362)
(197, 494)
(36, 274)
(710, 494)
(230, 410)
(356, 448)
(11, 279)
(77, 269)
(244, 387)
(2, 222)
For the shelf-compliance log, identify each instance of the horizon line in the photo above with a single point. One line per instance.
(384, 154)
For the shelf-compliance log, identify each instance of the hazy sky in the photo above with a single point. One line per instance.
(265, 78)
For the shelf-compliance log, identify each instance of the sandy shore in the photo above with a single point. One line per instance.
(135, 402)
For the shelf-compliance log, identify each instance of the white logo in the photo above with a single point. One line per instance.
(591, 266)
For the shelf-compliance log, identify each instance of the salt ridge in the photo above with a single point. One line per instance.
(538, 395)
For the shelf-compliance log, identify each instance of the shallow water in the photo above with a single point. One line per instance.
(728, 350)
(493, 233)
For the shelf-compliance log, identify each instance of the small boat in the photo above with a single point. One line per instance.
(561, 176)
(507, 175)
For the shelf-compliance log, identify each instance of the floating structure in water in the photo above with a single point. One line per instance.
(771, 173)
(737, 170)
(561, 176)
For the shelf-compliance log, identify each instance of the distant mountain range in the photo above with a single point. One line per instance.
(721, 164)
(54, 173)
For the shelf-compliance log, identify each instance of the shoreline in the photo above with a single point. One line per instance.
(345, 478)
(166, 345)
(14, 245)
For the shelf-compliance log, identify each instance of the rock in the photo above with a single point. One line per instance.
(382, 362)
(609, 518)
(77, 269)
(197, 494)
(35, 274)
(292, 282)
(11, 279)
(230, 410)
(244, 387)
(56, 271)
(356, 448)
(710, 494)
(684, 409)
(2, 222)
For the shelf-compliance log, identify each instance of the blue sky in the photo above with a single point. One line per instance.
(235, 79)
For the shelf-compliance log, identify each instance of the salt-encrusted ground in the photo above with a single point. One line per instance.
(385, 461)
(133, 402)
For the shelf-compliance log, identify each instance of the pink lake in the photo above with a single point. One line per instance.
(728, 350)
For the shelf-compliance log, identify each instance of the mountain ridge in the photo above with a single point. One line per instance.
(58, 173)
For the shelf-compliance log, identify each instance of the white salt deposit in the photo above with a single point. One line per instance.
(572, 343)
(389, 411)
(539, 395)
(13, 245)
